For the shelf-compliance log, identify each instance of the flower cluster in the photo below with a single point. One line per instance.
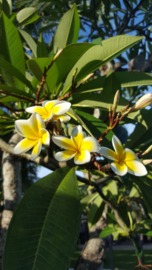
(79, 146)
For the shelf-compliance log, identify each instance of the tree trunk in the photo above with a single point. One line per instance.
(11, 174)
(91, 257)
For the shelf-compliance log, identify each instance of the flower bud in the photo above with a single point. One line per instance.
(115, 102)
(57, 55)
(59, 128)
(87, 78)
(142, 102)
(147, 161)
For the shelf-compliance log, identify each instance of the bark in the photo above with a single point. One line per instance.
(91, 257)
(11, 174)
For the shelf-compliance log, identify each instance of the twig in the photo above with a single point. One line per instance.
(19, 97)
(11, 109)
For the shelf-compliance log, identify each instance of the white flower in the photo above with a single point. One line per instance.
(142, 102)
(55, 109)
(79, 146)
(124, 160)
(35, 135)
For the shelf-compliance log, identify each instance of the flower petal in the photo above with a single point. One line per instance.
(41, 111)
(135, 167)
(61, 107)
(45, 136)
(48, 104)
(24, 146)
(65, 155)
(117, 146)
(119, 168)
(36, 122)
(63, 118)
(82, 157)
(130, 155)
(77, 135)
(63, 142)
(90, 144)
(36, 150)
(25, 129)
(108, 153)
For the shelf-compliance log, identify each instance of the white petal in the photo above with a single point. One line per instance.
(45, 136)
(135, 167)
(24, 146)
(130, 155)
(117, 146)
(82, 157)
(90, 144)
(108, 153)
(61, 107)
(119, 168)
(25, 129)
(63, 118)
(65, 155)
(36, 122)
(51, 103)
(77, 136)
(36, 150)
(63, 142)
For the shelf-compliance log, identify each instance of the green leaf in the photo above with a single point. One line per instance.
(96, 127)
(41, 48)
(86, 200)
(111, 84)
(10, 72)
(70, 56)
(9, 99)
(14, 90)
(96, 101)
(31, 43)
(68, 29)
(6, 7)
(138, 249)
(72, 113)
(44, 229)
(26, 16)
(11, 50)
(107, 231)
(133, 78)
(95, 212)
(100, 55)
(97, 41)
(112, 187)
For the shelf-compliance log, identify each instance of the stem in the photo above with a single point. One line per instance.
(11, 109)
(19, 97)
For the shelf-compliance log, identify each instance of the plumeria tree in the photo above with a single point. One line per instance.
(47, 101)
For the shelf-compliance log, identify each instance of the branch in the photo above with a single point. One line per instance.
(11, 109)
(19, 97)
(98, 189)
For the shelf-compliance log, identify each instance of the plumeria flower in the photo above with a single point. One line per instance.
(124, 160)
(55, 109)
(78, 146)
(144, 101)
(35, 135)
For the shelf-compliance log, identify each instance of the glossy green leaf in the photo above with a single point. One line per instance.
(76, 117)
(11, 50)
(27, 15)
(44, 229)
(100, 55)
(86, 200)
(68, 29)
(107, 231)
(9, 99)
(95, 212)
(96, 101)
(14, 90)
(96, 126)
(30, 41)
(10, 73)
(133, 78)
(41, 48)
(6, 7)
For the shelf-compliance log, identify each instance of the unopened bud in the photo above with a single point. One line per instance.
(147, 161)
(142, 102)
(116, 99)
(75, 72)
(147, 150)
(87, 78)
(57, 55)
(115, 102)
